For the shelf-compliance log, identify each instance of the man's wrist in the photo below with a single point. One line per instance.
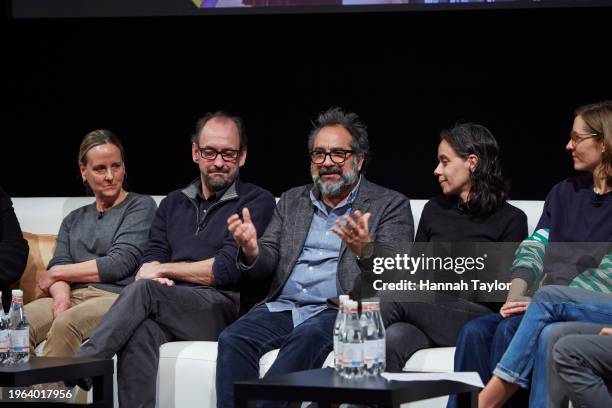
(61, 297)
(163, 271)
(250, 256)
(367, 251)
(55, 273)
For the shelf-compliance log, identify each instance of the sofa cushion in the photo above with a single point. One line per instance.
(42, 248)
(432, 359)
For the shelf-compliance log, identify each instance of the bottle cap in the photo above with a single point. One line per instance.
(17, 292)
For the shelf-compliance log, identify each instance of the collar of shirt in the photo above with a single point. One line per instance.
(211, 200)
(317, 202)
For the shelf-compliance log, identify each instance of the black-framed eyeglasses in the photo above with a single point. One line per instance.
(576, 137)
(337, 156)
(228, 155)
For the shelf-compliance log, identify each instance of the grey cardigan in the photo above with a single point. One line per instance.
(391, 226)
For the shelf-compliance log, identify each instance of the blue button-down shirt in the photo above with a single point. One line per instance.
(313, 279)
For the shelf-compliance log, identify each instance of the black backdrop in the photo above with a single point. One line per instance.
(408, 74)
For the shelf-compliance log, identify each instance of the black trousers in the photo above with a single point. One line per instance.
(146, 315)
(412, 326)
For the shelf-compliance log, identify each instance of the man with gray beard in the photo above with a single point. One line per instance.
(314, 249)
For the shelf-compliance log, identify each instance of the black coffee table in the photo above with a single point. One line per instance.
(50, 369)
(325, 387)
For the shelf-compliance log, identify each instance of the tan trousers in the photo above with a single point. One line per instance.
(65, 334)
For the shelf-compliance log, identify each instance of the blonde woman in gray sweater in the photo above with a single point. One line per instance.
(99, 247)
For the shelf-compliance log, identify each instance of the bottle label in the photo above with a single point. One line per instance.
(380, 350)
(5, 341)
(370, 352)
(20, 341)
(338, 351)
(352, 354)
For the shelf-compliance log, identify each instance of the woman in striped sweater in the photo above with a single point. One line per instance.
(562, 251)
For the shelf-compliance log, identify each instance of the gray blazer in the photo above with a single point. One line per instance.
(391, 226)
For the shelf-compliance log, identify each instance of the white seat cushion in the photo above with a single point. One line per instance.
(432, 359)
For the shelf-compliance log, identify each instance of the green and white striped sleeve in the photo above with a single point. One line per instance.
(597, 279)
(529, 257)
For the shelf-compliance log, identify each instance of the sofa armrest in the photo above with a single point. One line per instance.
(42, 248)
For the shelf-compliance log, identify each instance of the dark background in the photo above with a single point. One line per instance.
(408, 74)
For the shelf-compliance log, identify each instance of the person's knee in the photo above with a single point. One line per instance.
(141, 289)
(561, 352)
(549, 293)
(229, 338)
(141, 285)
(570, 348)
(64, 326)
(506, 328)
(474, 331)
(405, 336)
(397, 332)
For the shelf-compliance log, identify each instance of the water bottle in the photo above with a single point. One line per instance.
(5, 342)
(373, 337)
(338, 329)
(352, 343)
(382, 349)
(19, 330)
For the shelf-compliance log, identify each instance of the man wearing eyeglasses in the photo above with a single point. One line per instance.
(187, 285)
(317, 244)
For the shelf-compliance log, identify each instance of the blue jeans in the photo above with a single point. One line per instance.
(527, 351)
(242, 344)
(539, 385)
(481, 344)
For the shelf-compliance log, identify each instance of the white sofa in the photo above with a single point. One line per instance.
(186, 376)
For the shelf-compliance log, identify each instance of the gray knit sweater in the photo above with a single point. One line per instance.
(116, 240)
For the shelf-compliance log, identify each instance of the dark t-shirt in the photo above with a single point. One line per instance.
(443, 221)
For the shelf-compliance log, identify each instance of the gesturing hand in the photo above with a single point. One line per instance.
(354, 231)
(606, 331)
(244, 233)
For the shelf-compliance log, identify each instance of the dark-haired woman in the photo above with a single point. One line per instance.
(99, 247)
(473, 208)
